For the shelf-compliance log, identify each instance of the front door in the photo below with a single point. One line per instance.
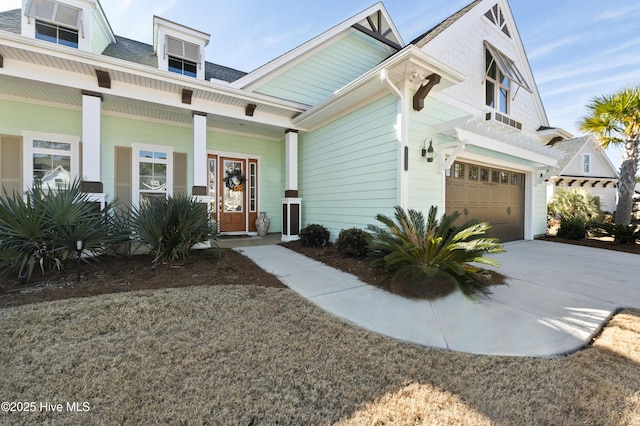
(233, 200)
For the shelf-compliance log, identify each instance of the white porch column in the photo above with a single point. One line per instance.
(91, 141)
(291, 203)
(199, 154)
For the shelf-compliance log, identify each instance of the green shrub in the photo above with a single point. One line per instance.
(353, 242)
(170, 226)
(417, 251)
(40, 229)
(569, 203)
(574, 228)
(622, 234)
(314, 235)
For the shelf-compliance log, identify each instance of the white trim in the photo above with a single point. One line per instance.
(246, 158)
(135, 169)
(29, 136)
(281, 63)
(588, 163)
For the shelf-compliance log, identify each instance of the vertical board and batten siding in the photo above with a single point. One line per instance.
(348, 168)
(270, 155)
(319, 76)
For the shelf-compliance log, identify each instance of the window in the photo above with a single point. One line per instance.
(253, 185)
(497, 86)
(180, 66)
(152, 172)
(183, 57)
(458, 170)
(497, 18)
(586, 163)
(52, 160)
(55, 22)
(56, 34)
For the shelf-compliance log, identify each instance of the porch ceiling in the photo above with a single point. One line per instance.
(72, 98)
(42, 71)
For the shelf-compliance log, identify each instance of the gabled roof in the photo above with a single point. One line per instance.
(375, 17)
(142, 53)
(10, 21)
(128, 50)
(572, 147)
(425, 38)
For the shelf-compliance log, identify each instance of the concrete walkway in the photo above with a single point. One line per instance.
(558, 298)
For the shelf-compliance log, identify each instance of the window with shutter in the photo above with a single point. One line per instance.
(183, 57)
(55, 22)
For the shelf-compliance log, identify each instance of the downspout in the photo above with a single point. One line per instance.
(402, 136)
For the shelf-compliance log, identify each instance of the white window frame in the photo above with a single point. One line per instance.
(32, 11)
(135, 169)
(28, 151)
(586, 164)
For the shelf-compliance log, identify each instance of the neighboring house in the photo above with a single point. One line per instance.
(587, 167)
(339, 129)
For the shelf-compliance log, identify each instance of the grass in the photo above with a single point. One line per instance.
(254, 355)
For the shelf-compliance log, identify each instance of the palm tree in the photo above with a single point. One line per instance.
(615, 119)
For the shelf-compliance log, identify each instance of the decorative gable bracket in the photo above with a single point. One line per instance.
(423, 91)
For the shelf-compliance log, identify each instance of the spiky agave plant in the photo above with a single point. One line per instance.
(419, 250)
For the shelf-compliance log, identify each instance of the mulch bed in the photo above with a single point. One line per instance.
(361, 267)
(118, 274)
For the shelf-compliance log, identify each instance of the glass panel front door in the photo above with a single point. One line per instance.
(233, 195)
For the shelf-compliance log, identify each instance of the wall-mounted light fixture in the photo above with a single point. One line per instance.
(428, 153)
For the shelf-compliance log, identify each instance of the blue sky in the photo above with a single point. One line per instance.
(577, 49)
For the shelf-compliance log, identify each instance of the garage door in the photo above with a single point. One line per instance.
(488, 194)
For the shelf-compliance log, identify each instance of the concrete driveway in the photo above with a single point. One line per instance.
(558, 297)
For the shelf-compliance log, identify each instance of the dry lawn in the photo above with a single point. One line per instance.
(241, 355)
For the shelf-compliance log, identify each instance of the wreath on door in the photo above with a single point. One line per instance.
(234, 180)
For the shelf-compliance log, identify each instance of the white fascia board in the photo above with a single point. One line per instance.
(144, 71)
(409, 53)
(248, 81)
(43, 74)
(481, 141)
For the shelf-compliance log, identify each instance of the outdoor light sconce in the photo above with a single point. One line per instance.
(79, 248)
(428, 153)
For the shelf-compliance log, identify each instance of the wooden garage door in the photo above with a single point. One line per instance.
(488, 194)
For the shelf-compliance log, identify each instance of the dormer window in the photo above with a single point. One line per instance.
(55, 22)
(180, 49)
(183, 57)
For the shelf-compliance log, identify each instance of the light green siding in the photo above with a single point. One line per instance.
(99, 35)
(19, 116)
(348, 170)
(426, 182)
(318, 76)
(120, 131)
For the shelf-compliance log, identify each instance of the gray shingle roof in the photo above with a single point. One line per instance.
(570, 148)
(435, 31)
(128, 50)
(10, 21)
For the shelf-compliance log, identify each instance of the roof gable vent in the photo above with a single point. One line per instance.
(497, 18)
